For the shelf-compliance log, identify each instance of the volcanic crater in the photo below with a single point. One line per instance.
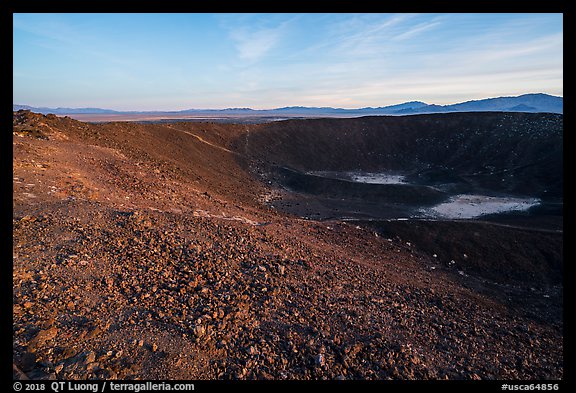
(401, 247)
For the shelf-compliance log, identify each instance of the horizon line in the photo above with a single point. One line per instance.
(276, 108)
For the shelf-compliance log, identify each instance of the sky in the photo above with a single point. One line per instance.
(263, 61)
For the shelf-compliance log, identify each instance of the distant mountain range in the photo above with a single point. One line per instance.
(63, 111)
(524, 103)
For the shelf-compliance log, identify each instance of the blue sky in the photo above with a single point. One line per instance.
(180, 61)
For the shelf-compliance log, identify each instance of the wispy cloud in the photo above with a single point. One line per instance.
(361, 35)
(360, 30)
(415, 30)
(373, 36)
(541, 47)
(253, 45)
(256, 36)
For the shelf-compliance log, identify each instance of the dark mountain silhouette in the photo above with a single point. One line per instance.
(525, 103)
(64, 111)
(522, 108)
(539, 103)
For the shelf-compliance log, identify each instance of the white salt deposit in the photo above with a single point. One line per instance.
(377, 178)
(362, 177)
(471, 206)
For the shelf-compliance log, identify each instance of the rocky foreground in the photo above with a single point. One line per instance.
(145, 252)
